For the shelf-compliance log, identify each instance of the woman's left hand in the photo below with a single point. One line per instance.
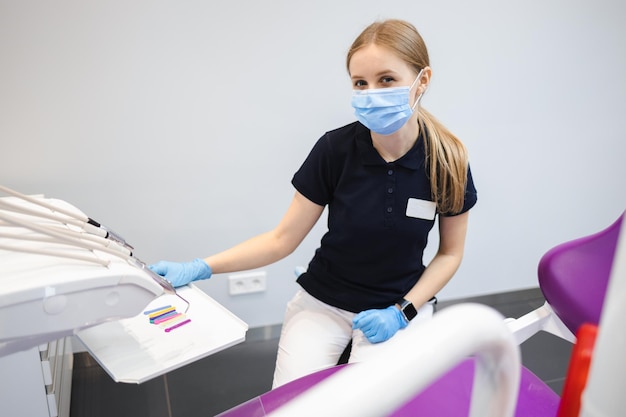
(379, 325)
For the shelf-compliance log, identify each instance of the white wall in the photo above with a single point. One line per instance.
(180, 123)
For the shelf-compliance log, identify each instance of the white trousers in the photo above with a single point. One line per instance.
(314, 335)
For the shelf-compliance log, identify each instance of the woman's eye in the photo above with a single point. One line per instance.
(360, 83)
(386, 80)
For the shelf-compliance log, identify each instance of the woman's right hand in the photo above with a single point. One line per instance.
(182, 273)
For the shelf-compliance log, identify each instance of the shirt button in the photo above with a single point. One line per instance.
(390, 190)
(389, 209)
(390, 172)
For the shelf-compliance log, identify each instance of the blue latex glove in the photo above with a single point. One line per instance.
(379, 325)
(179, 274)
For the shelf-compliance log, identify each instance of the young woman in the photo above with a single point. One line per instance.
(384, 179)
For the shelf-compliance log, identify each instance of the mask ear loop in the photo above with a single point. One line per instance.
(419, 75)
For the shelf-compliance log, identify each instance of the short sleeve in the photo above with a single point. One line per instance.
(471, 196)
(314, 178)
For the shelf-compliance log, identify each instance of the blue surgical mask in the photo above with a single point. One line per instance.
(384, 110)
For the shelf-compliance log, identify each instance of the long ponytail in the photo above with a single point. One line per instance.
(446, 162)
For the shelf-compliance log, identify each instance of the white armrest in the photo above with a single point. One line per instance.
(381, 385)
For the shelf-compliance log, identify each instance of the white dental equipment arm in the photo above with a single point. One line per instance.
(73, 216)
(90, 230)
(60, 271)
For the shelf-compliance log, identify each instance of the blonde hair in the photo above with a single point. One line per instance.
(446, 156)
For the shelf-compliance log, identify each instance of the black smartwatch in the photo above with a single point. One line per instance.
(408, 309)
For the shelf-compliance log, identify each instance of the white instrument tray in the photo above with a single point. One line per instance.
(134, 350)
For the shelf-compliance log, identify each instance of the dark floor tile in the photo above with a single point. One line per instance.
(556, 385)
(224, 380)
(510, 304)
(95, 394)
(547, 356)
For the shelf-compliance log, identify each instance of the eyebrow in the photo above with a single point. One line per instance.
(377, 75)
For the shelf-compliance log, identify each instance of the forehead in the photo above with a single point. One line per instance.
(374, 59)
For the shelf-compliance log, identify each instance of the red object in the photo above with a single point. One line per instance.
(577, 371)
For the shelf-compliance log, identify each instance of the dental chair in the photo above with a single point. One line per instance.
(572, 276)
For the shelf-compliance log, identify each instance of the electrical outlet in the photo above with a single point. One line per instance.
(247, 283)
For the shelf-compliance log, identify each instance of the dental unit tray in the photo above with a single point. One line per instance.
(63, 274)
(133, 351)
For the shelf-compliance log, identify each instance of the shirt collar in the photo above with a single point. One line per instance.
(413, 159)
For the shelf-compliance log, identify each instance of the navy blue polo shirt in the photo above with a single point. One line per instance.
(372, 254)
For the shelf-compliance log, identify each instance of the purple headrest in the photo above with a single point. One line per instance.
(574, 276)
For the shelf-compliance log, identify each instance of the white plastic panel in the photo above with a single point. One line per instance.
(22, 390)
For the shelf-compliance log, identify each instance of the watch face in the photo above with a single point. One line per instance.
(409, 310)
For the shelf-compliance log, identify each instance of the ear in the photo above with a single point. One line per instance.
(424, 81)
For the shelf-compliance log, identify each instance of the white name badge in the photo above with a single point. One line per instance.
(421, 209)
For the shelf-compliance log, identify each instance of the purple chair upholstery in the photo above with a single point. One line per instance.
(448, 396)
(573, 276)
